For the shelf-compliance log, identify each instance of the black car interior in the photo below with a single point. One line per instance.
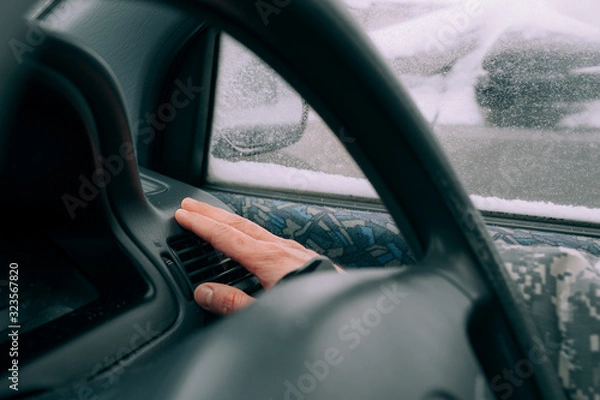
(107, 274)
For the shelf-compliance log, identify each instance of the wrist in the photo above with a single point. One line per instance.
(320, 263)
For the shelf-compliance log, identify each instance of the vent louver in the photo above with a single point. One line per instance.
(202, 263)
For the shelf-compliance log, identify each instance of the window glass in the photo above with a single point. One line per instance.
(511, 89)
(265, 136)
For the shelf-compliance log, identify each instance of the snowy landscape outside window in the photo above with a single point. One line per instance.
(511, 89)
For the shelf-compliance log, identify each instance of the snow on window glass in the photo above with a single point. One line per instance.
(265, 136)
(511, 89)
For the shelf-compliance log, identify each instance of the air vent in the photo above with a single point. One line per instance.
(202, 263)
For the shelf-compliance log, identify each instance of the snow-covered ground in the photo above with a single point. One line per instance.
(278, 177)
(537, 209)
(362, 4)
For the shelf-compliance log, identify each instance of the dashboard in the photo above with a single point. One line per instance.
(111, 275)
(92, 277)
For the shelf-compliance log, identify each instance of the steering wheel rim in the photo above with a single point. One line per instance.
(441, 226)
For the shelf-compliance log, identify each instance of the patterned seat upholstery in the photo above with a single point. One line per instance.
(354, 239)
(557, 274)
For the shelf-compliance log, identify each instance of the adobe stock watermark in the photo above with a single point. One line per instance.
(166, 113)
(301, 179)
(89, 187)
(110, 167)
(350, 335)
(266, 8)
(509, 176)
(34, 36)
(458, 23)
(504, 384)
(115, 364)
(307, 179)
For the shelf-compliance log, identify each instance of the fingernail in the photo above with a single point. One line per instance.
(188, 200)
(204, 295)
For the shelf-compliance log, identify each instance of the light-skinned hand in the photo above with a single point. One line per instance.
(265, 255)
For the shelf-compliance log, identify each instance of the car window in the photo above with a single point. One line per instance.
(511, 90)
(265, 136)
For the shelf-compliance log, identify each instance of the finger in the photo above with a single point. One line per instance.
(221, 299)
(226, 239)
(248, 227)
(269, 261)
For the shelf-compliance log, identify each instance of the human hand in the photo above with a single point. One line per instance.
(265, 255)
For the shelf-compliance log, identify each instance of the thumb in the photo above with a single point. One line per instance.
(221, 299)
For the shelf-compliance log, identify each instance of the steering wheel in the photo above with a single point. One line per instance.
(433, 331)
